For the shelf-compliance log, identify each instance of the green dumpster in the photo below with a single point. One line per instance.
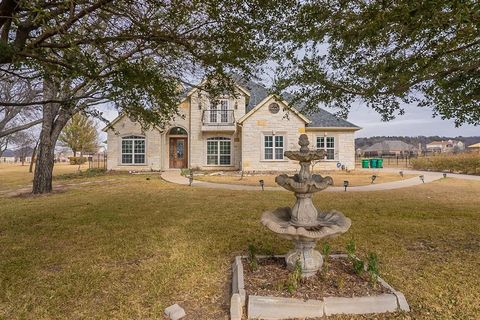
(379, 163)
(365, 163)
(373, 163)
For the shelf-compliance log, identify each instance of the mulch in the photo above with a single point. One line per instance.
(271, 275)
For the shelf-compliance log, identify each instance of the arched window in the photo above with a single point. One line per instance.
(219, 151)
(133, 150)
(178, 131)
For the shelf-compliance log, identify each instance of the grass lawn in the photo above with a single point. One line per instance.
(128, 249)
(14, 175)
(355, 178)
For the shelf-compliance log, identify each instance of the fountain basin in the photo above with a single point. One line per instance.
(329, 224)
(295, 184)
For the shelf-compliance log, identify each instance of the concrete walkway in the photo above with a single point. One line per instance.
(174, 176)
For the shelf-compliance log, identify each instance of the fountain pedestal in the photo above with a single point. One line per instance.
(303, 223)
(310, 259)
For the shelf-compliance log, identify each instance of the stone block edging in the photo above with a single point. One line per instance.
(260, 307)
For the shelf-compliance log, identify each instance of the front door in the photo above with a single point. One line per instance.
(178, 153)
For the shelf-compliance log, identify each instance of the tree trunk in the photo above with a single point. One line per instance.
(55, 117)
(42, 180)
(32, 159)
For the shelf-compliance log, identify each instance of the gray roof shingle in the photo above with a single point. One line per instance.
(321, 118)
(390, 145)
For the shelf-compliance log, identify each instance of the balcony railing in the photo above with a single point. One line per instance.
(213, 117)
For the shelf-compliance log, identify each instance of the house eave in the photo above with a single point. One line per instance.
(332, 128)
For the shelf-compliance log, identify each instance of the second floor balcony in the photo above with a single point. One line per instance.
(218, 120)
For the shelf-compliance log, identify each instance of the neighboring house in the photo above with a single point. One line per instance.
(248, 132)
(445, 146)
(24, 154)
(8, 156)
(63, 155)
(390, 148)
(474, 147)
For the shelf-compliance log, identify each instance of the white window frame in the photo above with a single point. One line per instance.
(274, 146)
(133, 138)
(323, 140)
(219, 139)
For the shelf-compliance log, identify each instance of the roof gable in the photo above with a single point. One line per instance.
(319, 119)
(277, 99)
(388, 145)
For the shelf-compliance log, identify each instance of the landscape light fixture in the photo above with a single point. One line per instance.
(422, 178)
(444, 175)
(262, 183)
(345, 184)
(190, 178)
(373, 178)
(401, 174)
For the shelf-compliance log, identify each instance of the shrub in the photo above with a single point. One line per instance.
(185, 172)
(252, 257)
(294, 278)
(372, 267)
(82, 174)
(326, 249)
(467, 163)
(77, 160)
(357, 264)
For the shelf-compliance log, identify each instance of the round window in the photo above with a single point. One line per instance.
(274, 107)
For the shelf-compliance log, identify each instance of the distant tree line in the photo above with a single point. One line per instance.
(423, 140)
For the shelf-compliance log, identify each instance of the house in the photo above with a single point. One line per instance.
(474, 148)
(7, 156)
(390, 148)
(445, 146)
(24, 154)
(247, 131)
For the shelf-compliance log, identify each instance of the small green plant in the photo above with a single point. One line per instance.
(185, 172)
(294, 278)
(372, 267)
(351, 247)
(326, 249)
(252, 257)
(357, 264)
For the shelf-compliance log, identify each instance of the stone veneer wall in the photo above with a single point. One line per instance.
(247, 140)
(198, 138)
(264, 122)
(125, 127)
(344, 148)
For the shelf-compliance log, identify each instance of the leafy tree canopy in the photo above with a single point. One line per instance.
(386, 53)
(80, 134)
(135, 54)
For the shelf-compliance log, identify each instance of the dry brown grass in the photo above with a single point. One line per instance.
(16, 176)
(355, 178)
(127, 249)
(468, 163)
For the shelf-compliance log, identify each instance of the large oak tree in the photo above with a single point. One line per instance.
(386, 53)
(133, 54)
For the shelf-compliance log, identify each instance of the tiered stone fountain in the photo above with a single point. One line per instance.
(304, 224)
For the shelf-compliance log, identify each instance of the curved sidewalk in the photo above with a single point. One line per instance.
(174, 176)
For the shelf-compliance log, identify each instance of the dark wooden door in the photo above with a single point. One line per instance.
(178, 153)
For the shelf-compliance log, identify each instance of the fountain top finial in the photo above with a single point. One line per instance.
(303, 142)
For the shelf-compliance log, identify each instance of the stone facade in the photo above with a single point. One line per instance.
(246, 133)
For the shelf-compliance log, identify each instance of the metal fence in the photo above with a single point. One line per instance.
(97, 161)
(399, 161)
